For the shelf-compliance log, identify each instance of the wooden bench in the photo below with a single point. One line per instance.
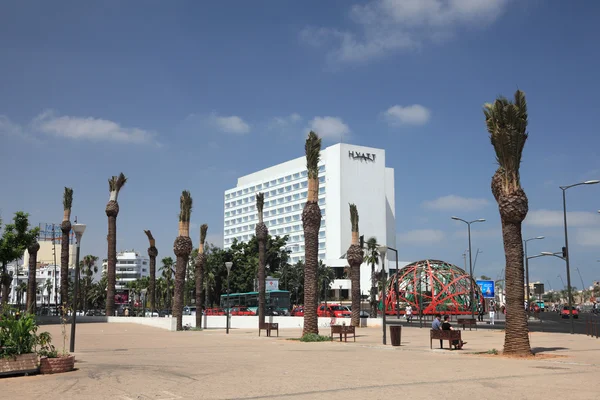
(343, 330)
(269, 326)
(467, 321)
(443, 335)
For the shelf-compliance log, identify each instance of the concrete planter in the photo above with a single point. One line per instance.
(21, 364)
(57, 365)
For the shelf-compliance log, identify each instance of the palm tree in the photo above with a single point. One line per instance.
(152, 253)
(65, 228)
(262, 233)
(372, 257)
(507, 125)
(200, 261)
(31, 281)
(182, 247)
(311, 222)
(112, 211)
(48, 285)
(88, 269)
(21, 289)
(354, 255)
(167, 274)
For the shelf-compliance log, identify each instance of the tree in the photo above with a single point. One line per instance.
(261, 232)
(47, 287)
(21, 289)
(87, 270)
(97, 293)
(152, 253)
(506, 123)
(354, 255)
(167, 273)
(16, 238)
(200, 262)
(65, 228)
(182, 247)
(311, 222)
(372, 257)
(32, 249)
(115, 184)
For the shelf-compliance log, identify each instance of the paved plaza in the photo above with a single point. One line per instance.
(128, 361)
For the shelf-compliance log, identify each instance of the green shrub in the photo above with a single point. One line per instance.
(17, 333)
(493, 351)
(313, 337)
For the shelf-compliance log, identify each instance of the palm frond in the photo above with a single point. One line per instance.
(67, 198)
(506, 123)
(313, 154)
(117, 182)
(354, 217)
(185, 206)
(260, 203)
(203, 230)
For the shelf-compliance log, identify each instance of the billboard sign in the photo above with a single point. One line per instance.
(487, 288)
(272, 284)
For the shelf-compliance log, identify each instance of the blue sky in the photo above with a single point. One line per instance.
(191, 95)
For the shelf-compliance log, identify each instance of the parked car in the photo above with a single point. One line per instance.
(189, 310)
(154, 313)
(214, 311)
(333, 311)
(363, 313)
(298, 312)
(565, 312)
(241, 311)
(164, 313)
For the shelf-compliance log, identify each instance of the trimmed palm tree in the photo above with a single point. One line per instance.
(31, 281)
(65, 228)
(87, 271)
(372, 257)
(152, 253)
(262, 233)
(199, 274)
(115, 184)
(354, 255)
(507, 125)
(47, 287)
(182, 247)
(311, 222)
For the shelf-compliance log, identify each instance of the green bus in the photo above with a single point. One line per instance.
(277, 301)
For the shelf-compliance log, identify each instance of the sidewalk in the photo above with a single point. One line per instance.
(126, 361)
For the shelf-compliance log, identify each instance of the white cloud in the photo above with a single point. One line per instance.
(554, 219)
(384, 26)
(414, 114)
(453, 202)
(8, 128)
(89, 128)
(329, 127)
(588, 237)
(283, 122)
(421, 236)
(231, 124)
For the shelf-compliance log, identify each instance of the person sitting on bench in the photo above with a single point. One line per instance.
(458, 344)
(436, 325)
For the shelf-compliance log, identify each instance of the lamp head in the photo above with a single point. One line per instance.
(382, 249)
(455, 218)
(540, 237)
(592, 182)
(480, 220)
(547, 253)
(228, 265)
(78, 229)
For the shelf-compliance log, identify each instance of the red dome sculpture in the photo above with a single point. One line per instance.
(433, 286)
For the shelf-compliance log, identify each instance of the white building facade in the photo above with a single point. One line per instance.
(347, 174)
(131, 265)
(47, 280)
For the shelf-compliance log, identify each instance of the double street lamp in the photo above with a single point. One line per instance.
(566, 249)
(228, 265)
(78, 229)
(471, 300)
(383, 251)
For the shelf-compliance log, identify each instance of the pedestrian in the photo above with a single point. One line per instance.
(492, 312)
(446, 326)
(480, 312)
(436, 325)
(408, 311)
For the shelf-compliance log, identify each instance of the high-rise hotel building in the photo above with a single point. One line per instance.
(347, 174)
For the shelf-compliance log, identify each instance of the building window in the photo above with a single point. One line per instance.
(143, 269)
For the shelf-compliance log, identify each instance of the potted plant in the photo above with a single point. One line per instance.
(17, 343)
(51, 361)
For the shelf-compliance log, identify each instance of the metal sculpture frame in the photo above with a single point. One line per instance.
(432, 286)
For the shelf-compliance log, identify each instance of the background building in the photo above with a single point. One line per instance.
(347, 174)
(131, 266)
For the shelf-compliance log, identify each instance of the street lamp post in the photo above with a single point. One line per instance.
(566, 252)
(582, 285)
(228, 265)
(78, 229)
(527, 263)
(397, 299)
(471, 300)
(382, 252)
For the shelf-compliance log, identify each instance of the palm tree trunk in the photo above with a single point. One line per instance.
(111, 266)
(152, 283)
(355, 282)
(199, 286)
(311, 218)
(516, 339)
(64, 262)
(4, 283)
(373, 291)
(31, 281)
(262, 297)
(182, 249)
